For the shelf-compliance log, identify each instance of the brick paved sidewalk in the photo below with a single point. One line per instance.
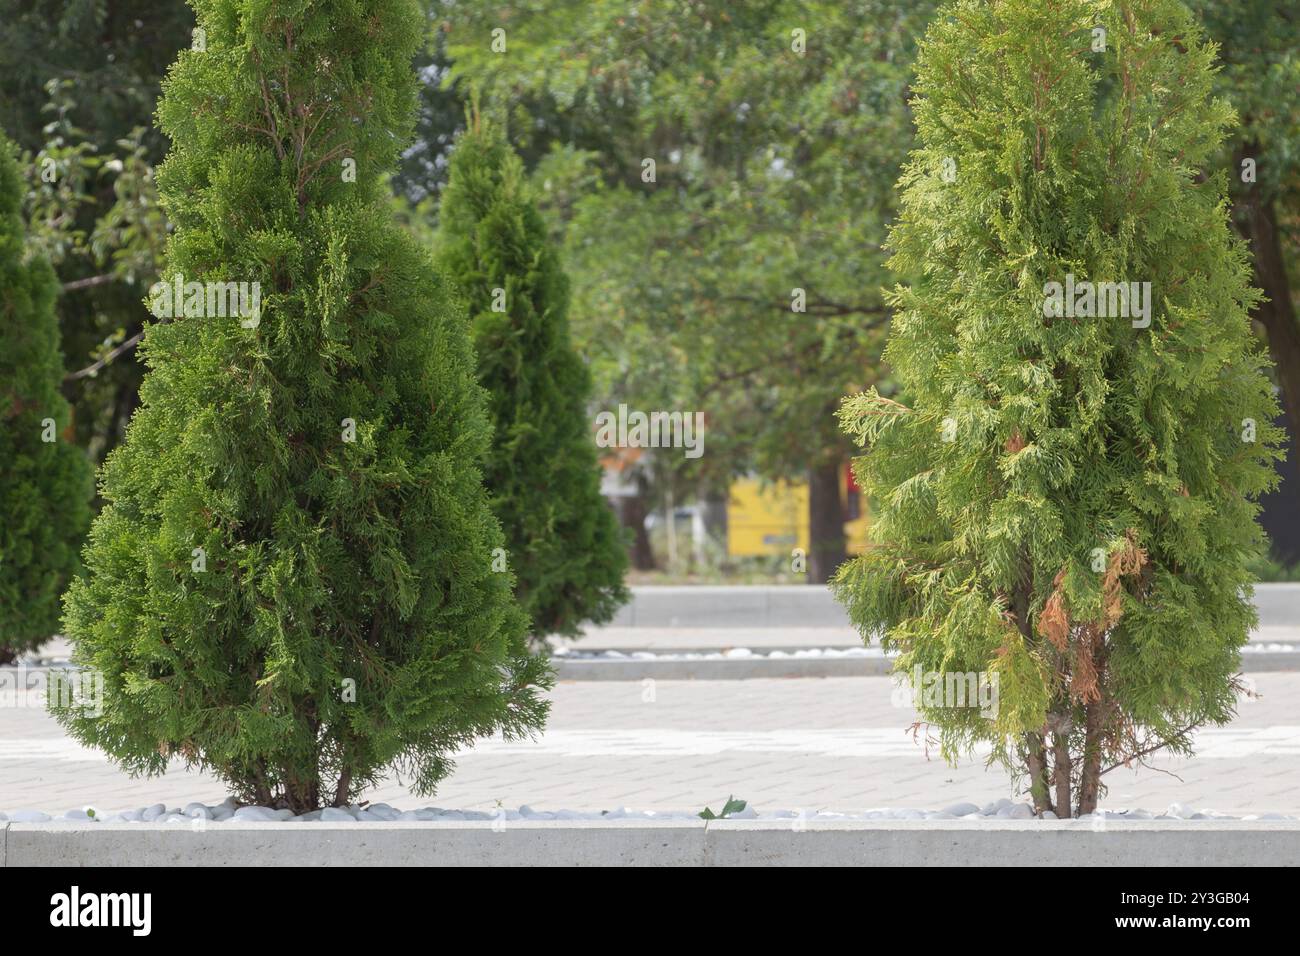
(834, 743)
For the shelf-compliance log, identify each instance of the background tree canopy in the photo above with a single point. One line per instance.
(777, 131)
(78, 85)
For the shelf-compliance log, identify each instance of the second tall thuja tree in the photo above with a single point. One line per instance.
(1065, 486)
(291, 584)
(45, 484)
(563, 539)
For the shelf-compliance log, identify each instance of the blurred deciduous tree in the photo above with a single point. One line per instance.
(1259, 53)
(775, 130)
(78, 84)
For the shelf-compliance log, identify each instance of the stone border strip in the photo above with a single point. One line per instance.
(805, 605)
(744, 668)
(761, 666)
(659, 843)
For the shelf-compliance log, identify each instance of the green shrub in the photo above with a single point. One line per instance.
(45, 482)
(291, 584)
(563, 539)
(1067, 502)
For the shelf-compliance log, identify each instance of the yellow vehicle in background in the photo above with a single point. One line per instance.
(766, 519)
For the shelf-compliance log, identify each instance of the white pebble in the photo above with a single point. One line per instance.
(256, 814)
(382, 812)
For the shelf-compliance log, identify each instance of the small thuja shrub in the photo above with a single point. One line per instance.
(45, 481)
(291, 584)
(1065, 490)
(563, 540)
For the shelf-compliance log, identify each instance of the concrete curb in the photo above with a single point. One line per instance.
(741, 669)
(1004, 843)
(805, 605)
(745, 605)
(660, 843)
(448, 843)
(747, 668)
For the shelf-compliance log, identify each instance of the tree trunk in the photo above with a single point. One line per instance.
(715, 518)
(344, 787)
(670, 526)
(1258, 224)
(261, 787)
(301, 796)
(1035, 745)
(1061, 768)
(125, 403)
(1036, 761)
(826, 549)
(632, 514)
(1255, 217)
(1090, 778)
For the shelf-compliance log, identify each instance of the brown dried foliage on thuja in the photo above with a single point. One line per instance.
(1055, 624)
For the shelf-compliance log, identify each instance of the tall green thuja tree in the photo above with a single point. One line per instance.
(45, 481)
(1065, 485)
(563, 538)
(291, 583)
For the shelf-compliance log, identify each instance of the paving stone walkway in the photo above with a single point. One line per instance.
(812, 744)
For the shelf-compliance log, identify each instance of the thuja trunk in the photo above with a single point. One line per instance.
(1061, 767)
(1036, 761)
(826, 550)
(1090, 779)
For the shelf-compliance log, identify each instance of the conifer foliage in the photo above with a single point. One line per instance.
(1065, 486)
(291, 583)
(45, 481)
(564, 543)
